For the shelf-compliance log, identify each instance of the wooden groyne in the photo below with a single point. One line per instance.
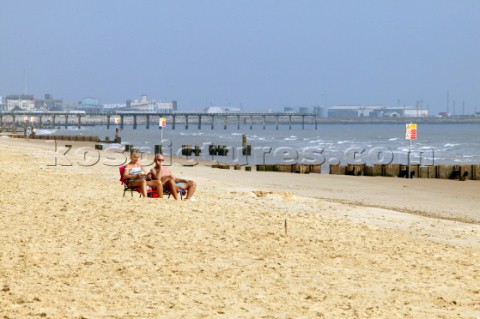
(78, 138)
(443, 171)
(290, 168)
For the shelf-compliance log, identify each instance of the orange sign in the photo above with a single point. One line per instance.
(411, 131)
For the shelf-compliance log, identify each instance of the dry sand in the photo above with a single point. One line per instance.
(253, 245)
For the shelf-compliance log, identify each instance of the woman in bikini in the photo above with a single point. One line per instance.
(135, 175)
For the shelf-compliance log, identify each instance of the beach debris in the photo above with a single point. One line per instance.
(286, 228)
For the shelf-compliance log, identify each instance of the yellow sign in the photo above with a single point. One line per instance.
(411, 131)
(162, 122)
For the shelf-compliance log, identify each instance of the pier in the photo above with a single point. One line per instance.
(187, 120)
(66, 119)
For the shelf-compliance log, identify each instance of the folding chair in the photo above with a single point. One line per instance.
(150, 192)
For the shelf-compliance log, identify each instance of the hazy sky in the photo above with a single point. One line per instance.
(257, 54)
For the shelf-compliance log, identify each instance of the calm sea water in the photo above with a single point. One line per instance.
(328, 144)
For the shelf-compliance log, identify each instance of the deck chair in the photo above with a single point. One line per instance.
(150, 192)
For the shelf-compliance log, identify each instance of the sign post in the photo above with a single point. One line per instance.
(162, 122)
(410, 134)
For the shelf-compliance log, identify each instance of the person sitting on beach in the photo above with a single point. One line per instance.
(161, 173)
(135, 176)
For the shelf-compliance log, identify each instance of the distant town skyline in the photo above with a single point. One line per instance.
(257, 55)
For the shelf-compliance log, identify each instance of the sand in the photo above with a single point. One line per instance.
(253, 245)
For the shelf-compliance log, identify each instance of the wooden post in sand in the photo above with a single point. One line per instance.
(286, 228)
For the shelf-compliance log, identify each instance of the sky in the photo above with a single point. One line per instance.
(254, 54)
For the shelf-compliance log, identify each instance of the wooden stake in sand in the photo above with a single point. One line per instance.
(286, 227)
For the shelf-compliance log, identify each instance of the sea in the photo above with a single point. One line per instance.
(328, 144)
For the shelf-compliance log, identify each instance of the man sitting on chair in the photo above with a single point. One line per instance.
(163, 174)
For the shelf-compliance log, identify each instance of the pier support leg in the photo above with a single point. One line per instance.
(263, 119)
(251, 121)
(66, 121)
(316, 121)
(186, 122)
(289, 122)
(79, 121)
(134, 122)
(121, 121)
(199, 122)
(174, 118)
(213, 121)
(225, 120)
(276, 118)
(108, 122)
(148, 122)
(238, 122)
(303, 122)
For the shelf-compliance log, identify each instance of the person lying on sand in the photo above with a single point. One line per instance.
(135, 175)
(163, 174)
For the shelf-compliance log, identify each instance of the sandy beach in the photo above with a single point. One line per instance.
(253, 245)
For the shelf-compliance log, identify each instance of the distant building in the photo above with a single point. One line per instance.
(222, 109)
(322, 111)
(89, 105)
(20, 102)
(49, 104)
(166, 107)
(303, 109)
(3, 106)
(374, 111)
(113, 107)
(144, 105)
(415, 112)
(290, 109)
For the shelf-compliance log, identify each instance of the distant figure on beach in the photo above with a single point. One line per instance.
(27, 132)
(135, 175)
(117, 139)
(161, 173)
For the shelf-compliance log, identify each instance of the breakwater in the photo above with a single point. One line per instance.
(455, 172)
